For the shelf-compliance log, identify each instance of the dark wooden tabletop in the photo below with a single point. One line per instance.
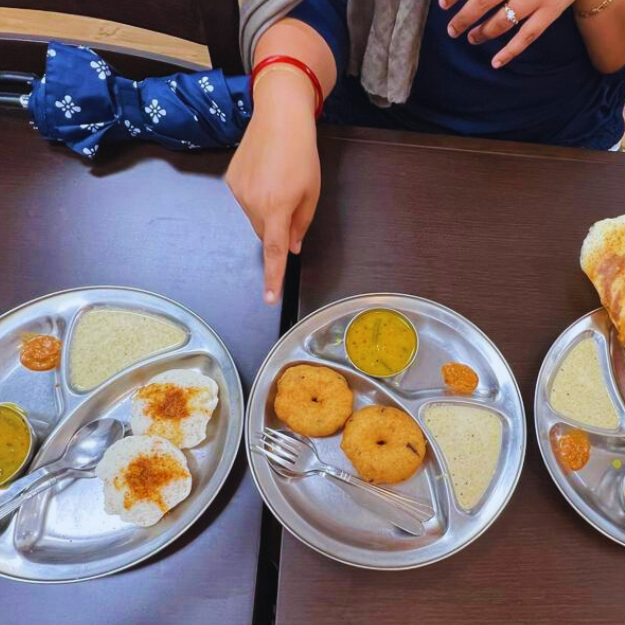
(165, 222)
(493, 231)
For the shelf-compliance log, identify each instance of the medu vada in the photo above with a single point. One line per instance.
(313, 400)
(385, 445)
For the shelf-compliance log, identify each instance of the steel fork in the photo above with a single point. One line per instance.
(293, 455)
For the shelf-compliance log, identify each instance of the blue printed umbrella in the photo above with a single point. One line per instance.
(82, 102)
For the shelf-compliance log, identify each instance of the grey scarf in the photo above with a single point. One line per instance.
(385, 39)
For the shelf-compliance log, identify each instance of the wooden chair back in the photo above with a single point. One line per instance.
(190, 34)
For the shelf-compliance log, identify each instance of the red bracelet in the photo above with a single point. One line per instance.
(289, 60)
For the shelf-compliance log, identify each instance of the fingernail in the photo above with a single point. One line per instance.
(270, 297)
(442, 4)
(297, 248)
(452, 32)
(472, 39)
(497, 63)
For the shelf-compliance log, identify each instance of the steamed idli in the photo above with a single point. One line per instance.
(143, 477)
(176, 405)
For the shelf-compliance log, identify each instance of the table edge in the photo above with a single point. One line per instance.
(450, 143)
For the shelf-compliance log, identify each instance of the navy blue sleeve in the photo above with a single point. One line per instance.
(329, 19)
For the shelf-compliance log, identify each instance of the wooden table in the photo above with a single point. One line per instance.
(494, 231)
(165, 222)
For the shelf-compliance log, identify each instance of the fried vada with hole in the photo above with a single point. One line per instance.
(385, 445)
(313, 401)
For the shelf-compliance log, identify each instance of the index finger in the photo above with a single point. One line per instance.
(275, 251)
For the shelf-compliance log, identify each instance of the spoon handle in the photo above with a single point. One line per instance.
(24, 488)
(15, 503)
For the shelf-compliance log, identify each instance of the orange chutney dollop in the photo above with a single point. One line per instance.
(573, 449)
(41, 353)
(460, 378)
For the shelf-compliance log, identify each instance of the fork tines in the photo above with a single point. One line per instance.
(278, 447)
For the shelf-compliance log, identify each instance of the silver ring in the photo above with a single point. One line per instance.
(510, 14)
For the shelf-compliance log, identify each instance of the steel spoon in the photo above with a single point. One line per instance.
(82, 454)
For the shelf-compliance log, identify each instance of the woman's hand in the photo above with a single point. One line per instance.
(536, 16)
(275, 172)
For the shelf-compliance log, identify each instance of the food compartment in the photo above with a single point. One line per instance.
(599, 483)
(106, 339)
(70, 525)
(438, 344)
(329, 509)
(582, 388)
(37, 392)
(471, 438)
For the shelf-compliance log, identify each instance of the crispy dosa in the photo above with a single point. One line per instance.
(603, 261)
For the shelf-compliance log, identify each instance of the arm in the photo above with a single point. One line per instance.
(295, 38)
(275, 173)
(604, 34)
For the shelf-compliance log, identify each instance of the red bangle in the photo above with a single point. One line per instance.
(289, 60)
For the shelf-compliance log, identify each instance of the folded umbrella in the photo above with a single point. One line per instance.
(82, 102)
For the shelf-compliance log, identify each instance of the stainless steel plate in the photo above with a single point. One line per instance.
(322, 516)
(65, 535)
(596, 491)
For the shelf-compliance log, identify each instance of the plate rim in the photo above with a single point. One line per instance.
(326, 553)
(229, 464)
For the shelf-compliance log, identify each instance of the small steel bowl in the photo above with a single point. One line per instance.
(404, 318)
(21, 413)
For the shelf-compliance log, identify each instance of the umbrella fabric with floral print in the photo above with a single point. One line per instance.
(82, 102)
